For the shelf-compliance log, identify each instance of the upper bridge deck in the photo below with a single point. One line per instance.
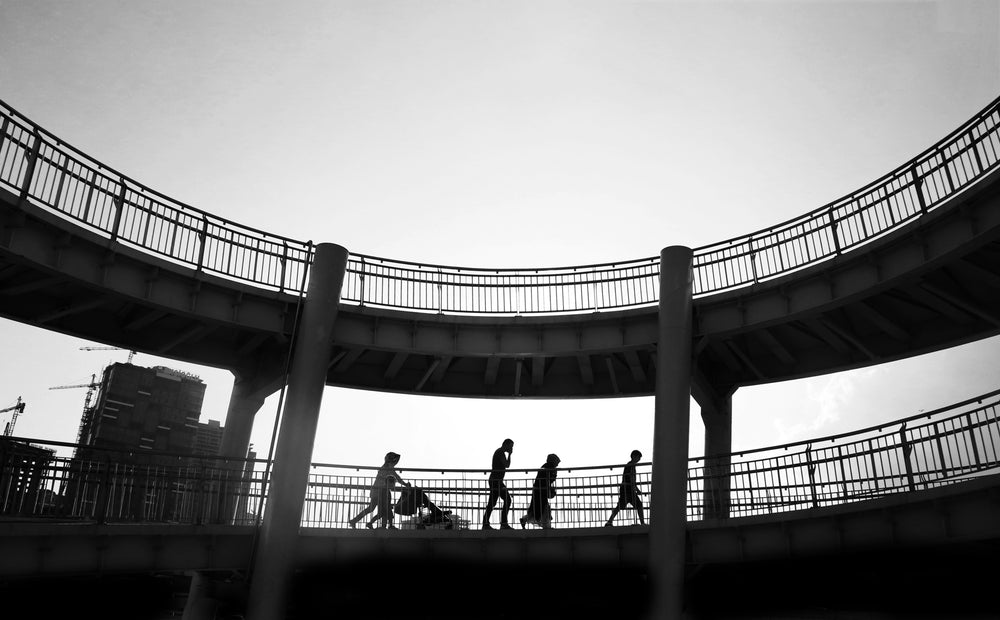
(905, 265)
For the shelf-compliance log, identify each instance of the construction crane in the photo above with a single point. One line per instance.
(16, 408)
(131, 353)
(85, 418)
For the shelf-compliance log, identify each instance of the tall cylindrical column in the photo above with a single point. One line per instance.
(274, 562)
(668, 501)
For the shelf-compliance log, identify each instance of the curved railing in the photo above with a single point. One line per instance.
(932, 449)
(40, 168)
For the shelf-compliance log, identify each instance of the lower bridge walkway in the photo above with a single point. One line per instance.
(928, 483)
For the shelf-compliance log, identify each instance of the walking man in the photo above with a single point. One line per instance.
(628, 491)
(498, 490)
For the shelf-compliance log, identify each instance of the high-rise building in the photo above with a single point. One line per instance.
(139, 445)
(207, 439)
(145, 408)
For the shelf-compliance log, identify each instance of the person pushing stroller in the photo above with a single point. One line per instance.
(381, 494)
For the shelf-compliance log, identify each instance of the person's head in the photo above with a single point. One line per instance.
(636, 455)
(552, 459)
(391, 457)
(507, 445)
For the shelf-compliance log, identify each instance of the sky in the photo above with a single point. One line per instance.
(510, 134)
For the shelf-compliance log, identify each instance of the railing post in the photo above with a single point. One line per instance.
(103, 492)
(440, 293)
(871, 458)
(947, 170)
(940, 448)
(972, 439)
(119, 203)
(843, 472)
(361, 277)
(973, 143)
(906, 448)
(284, 266)
(3, 130)
(29, 172)
(918, 185)
(833, 231)
(812, 475)
(202, 238)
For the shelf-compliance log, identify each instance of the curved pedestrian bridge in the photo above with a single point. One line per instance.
(905, 265)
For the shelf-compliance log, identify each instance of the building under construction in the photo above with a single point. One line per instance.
(144, 428)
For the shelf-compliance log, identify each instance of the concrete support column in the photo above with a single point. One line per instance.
(274, 562)
(201, 603)
(718, 419)
(245, 400)
(668, 499)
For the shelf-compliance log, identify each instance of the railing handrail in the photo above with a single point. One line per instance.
(184, 488)
(952, 165)
(862, 431)
(530, 470)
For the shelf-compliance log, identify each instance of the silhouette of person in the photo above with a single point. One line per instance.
(381, 493)
(498, 490)
(384, 511)
(542, 490)
(628, 491)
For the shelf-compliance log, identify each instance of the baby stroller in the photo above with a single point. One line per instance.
(414, 501)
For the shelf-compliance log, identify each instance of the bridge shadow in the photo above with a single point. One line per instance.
(418, 590)
(956, 581)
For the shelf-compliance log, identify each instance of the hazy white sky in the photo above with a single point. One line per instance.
(502, 134)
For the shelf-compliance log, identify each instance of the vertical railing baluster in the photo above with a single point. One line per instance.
(361, 277)
(972, 439)
(284, 266)
(29, 172)
(811, 466)
(119, 203)
(906, 448)
(947, 170)
(940, 448)
(833, 232)
(918, 186)
(973, 145)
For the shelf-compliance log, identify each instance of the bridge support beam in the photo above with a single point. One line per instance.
(668, 501)
(245, 400)
(274, 562)
(717, 414)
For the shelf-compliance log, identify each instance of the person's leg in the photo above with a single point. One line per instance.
(611, 517)
(491, 503)
(504, 495)
(638, 509)
(372, 504)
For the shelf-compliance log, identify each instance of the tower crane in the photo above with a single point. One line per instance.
(85, 418)
(17, 408)
(131, 353)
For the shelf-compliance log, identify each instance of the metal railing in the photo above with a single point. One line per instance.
(932, 449)
(40, 168)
